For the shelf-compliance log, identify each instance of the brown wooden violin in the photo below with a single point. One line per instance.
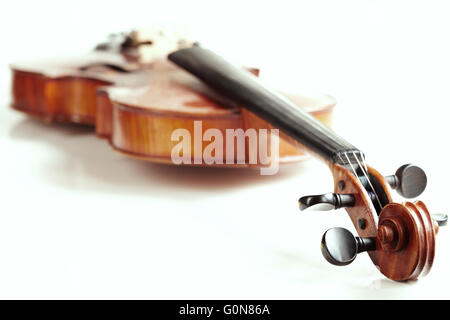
(136, 98)
(399, 237)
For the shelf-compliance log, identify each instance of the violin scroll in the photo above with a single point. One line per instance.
(399, 238)
(406, 241)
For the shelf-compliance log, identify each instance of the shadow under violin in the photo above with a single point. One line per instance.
(87, 158)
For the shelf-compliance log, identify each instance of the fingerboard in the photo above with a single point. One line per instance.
(245, 89)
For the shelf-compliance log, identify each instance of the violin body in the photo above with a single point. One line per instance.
(65, 90)
(137, 105)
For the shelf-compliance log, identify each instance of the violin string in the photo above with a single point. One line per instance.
(351, 166)
(356, 175)
(366, 174)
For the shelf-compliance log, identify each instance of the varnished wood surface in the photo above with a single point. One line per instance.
(363, 208)
(410, 253)
(137, 111)
(405, 233)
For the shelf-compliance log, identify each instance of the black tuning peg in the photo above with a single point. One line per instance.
(327, 201)
(440, 218)
(409, 180)
(340, 247)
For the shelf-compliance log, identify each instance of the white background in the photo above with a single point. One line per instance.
(78, 220)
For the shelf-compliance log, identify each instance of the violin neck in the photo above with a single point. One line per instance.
(246, 90)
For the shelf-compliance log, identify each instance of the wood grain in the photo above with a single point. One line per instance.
(138, 111)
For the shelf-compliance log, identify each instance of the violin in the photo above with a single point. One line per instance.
(135, 98)
(399, 238)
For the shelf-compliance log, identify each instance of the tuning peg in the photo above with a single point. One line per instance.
(340, 247)
(409, 180)
(440, 218)
(327, 201)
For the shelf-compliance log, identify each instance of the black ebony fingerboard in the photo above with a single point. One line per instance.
(246, 90)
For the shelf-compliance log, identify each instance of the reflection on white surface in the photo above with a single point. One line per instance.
(80, 220)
